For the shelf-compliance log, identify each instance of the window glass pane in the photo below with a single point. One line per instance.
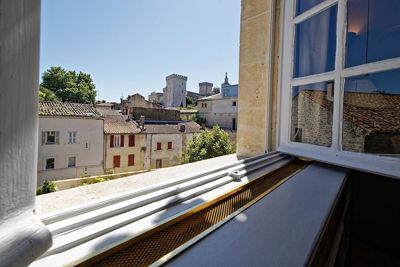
(373, 31)
(312, 112)
(304, 5)
(315, 44)
(371, 113)
(71, 161)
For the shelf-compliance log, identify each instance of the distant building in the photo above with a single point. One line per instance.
(228, 90)
(193, 96)
(156, 97)
(166, 142)
(174, 94)
(220, 109)
(124, 145)
(70, 141)
(205, 89)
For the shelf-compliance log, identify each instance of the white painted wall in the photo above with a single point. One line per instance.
(169, 157)
(89, 161)
(219, 111)
(23, 236)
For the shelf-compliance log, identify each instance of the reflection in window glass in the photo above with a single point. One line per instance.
(373, 31)
(304, 5)
(315, 44)
(372, 113)
(312, 111)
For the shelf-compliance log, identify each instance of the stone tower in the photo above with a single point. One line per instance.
(175, 91)
(205, 88)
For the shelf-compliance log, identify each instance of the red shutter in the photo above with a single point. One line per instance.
(131, 140)
(122, 141)
(116, 161)
(131, 160)
(169, 145)
(158, 146)
(112, 141)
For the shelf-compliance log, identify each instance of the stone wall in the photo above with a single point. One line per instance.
(254, 77)
(158, 114)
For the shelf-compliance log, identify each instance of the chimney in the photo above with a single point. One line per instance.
(141, 122)
(329, 91)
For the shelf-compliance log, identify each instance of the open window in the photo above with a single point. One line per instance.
(340, 81)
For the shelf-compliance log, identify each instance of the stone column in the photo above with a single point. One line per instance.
(23, 236)
(255, 78)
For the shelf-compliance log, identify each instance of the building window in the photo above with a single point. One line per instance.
(50, 137)
(158, 163)
(71, 137)
(116, 141)
(169, 145)
(50, 163)
(116, 161)
(159, 146)
(131, 140)
(340, 83)
(234, 103)
(131, 160)
(71, 162)
(233, 123)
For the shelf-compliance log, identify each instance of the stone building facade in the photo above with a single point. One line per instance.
(124, 145)
(174, 94)
(166, 143)
(156, 97)
(205, 88)
(70, 141)
(220, 109)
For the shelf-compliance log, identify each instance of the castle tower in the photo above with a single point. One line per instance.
(175, 91)
(205, 88)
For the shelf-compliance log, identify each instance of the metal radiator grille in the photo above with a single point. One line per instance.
(146, 250)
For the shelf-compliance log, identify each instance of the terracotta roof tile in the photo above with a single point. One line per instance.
(190, 127)
(374, 112)
(118, 124)
(67, 109)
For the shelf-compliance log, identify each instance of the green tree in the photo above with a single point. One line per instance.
(47, 187)
(47, 95)
(209, 144)
(69, 86)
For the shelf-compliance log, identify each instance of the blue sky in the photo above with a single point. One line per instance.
(129, 46)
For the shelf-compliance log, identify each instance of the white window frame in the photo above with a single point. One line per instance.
(68, 157)
(45, 135)
(72, 137)
(45, 163)
(367, 162)
(117, 140)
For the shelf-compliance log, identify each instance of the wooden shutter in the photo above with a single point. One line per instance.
(169, 145)
(57, 137)
(131, 160)
(122, 141)
(116, 161)
(131, 140)
(112, 141)
(158, 146)
(43, 138)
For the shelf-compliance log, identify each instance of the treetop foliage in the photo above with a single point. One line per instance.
(67, 86)
(209, 144)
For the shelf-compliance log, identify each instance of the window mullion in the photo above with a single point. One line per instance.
(313, 11)
(339, 82)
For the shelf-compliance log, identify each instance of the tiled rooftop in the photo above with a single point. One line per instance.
(67, 109)
(190, 127)
(119, 124)
(374, 112)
